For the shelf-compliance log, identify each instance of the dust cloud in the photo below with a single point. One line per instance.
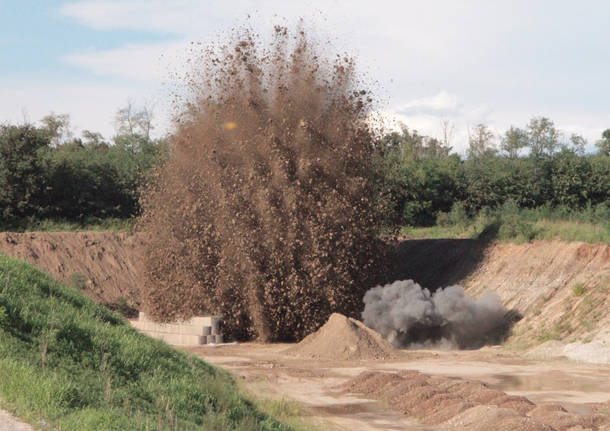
(410, 316)
(265, 212)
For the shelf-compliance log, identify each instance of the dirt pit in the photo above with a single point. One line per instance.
(343, 338)
(425, 390)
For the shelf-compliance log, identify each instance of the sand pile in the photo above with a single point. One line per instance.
(466, 405)
(343, 338)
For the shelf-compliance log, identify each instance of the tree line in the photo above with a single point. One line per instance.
(419, 178)
(47, 173)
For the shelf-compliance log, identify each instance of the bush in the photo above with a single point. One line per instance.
(515, 228)
(22, 182)
(457, 216)
(578, 289)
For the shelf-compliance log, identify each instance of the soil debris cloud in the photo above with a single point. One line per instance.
(264, 212)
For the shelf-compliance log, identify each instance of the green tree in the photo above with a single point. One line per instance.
(480, 142)
(58, 128)
(542, 136)
(21, 180)
(410, 144)
(604, 143)
(513, 141)
(570, 174)
(133, 121)
(93, 139)
(578, 144)
(599, 180)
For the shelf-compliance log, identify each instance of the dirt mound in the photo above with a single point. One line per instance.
(103, 265)
(486, 417)
(343, 338)
(556, 416)
(463, 404)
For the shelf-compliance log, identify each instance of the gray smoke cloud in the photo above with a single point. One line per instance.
(409, 316)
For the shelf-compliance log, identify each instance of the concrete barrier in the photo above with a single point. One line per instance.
(196, 331)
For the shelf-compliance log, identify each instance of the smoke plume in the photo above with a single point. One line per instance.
(408, 315)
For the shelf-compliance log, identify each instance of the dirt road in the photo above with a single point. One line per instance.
(8, 422)
(314, 384)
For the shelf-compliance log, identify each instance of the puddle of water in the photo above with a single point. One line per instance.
(345, 408)
(551, 381)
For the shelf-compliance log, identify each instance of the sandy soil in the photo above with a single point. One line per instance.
(536, 279)
(8, 422)
(106, 263)
(315, 384)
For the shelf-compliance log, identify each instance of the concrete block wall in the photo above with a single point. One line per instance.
(196, 331)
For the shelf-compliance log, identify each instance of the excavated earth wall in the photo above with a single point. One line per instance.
(561, 289)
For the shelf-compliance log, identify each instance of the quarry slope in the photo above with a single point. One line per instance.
(561, 289)
(104, 265)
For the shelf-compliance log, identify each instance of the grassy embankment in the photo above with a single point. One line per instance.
(523, 226)
(509, 224)
(91, 224)
(69, 364)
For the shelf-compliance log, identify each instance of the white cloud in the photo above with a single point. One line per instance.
(427, 114)
(154, 15)
(185, 17)
(442, 104)
(91, 106)
(142, 62)
(467, 62)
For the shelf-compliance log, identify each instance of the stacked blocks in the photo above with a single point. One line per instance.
(196, 331)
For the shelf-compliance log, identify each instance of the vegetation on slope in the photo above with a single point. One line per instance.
(69, 364)
(88, 224)
(51, 180)
(513, 224)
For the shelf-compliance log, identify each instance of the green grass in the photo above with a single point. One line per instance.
(289, 412)
(436, 232)
(517, 227)
(69, 364)
(568, 230)
(87, 225)
(578, 289)
(98, 225)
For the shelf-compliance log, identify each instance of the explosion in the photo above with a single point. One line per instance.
(264, 212)
(410, 316)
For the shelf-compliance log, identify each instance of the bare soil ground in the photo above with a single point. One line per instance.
(8, 422)
(105, 264)
(490, 385)
(562, 290)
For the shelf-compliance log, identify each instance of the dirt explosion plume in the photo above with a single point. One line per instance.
(264, 212)
(410, 316)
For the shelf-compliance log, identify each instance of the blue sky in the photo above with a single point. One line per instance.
(35, 35)
(468, 62)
